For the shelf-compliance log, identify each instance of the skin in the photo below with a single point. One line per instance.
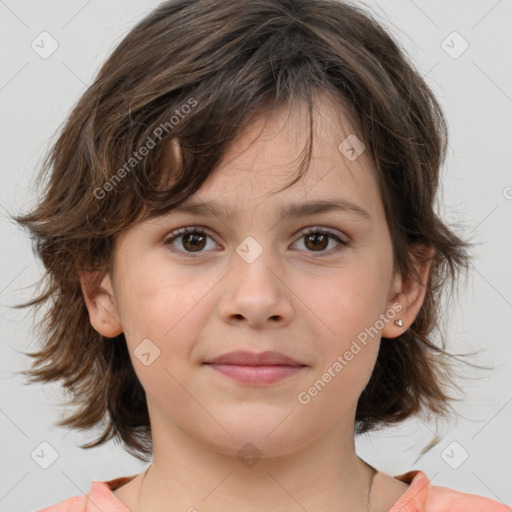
(289, 299)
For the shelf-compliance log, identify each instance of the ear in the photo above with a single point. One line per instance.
(101, 304)
(409, 294)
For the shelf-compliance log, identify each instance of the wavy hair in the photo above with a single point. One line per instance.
(199, 71)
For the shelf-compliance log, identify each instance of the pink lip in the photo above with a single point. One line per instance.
(246, 358)
(251, 368)
(257, 374)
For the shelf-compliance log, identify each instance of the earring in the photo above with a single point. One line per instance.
(399, 322)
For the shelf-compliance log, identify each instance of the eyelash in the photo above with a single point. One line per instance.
(176, 234)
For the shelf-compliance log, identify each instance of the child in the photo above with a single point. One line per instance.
(244, 260)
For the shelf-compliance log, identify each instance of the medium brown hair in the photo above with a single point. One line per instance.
(229, 61)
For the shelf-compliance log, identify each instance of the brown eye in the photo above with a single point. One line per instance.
(187, 241)
(193, 241)
(317, 241)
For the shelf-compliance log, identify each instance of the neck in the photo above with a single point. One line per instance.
(187, 475)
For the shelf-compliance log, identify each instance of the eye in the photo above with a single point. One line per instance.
(318, 239)
(193, 239)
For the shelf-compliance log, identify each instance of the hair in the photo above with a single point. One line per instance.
(201, 71)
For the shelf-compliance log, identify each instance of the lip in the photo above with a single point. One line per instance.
(246, 358)
(256, 368)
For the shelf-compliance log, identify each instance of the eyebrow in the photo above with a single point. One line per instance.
(205, 208)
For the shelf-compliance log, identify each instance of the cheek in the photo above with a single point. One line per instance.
(348, 296)
(158, 331)
(349, 301)
(151, 294)
(349, 342)
(167, 307)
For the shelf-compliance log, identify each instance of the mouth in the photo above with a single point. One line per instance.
(256, 375)
(256, 368)
(246, 358)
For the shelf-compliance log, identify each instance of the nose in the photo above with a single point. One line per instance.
(256, 294)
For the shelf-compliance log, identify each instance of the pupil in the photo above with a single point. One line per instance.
(194, 237)
(317, 236)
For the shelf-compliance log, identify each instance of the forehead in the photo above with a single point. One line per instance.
(266, 157)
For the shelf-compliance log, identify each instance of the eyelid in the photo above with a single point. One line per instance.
(324, 229)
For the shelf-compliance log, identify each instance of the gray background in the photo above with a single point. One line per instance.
(475, 90)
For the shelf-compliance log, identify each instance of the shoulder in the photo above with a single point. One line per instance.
(100, 498)
(450, 500)
(74, 504)
(422, 496)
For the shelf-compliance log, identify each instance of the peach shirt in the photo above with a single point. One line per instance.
(421, 496)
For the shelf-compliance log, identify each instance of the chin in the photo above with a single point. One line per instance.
(257, 438)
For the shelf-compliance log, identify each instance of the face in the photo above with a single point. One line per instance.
(306, 285)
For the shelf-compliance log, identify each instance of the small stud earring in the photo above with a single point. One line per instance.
(399, 322)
